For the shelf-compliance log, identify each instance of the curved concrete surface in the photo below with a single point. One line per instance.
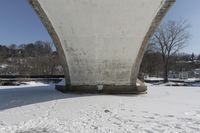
(101, 42)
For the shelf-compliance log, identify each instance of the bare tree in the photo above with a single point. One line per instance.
(168, 39)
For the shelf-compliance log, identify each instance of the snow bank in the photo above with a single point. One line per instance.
(41, 109)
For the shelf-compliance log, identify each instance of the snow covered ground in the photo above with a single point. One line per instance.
(38, 108)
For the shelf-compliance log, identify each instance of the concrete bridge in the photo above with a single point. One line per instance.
(101, 43)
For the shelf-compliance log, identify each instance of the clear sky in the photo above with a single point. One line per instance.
(19, 24)
(189, 10)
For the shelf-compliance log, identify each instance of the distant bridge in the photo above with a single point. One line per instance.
(101, 43)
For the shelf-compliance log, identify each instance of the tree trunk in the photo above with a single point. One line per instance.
(166, 72)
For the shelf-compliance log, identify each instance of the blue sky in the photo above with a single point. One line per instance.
(190, 11)
(19, 24)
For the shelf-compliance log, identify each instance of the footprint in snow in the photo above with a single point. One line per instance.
(170, 116)
(149, 117)
(107, 111)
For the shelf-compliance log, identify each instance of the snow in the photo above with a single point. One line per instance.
(3, 66)
(39, 108)
(172, 79)
(191, 80)
(153, 78)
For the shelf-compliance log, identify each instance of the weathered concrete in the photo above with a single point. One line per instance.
(101, 42)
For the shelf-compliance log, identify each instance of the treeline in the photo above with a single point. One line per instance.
(39, 58)
(153, 66)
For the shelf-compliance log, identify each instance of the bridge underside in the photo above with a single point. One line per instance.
(101, 43)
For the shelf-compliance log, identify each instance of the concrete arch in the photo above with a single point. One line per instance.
(155, 23)
(46, 22)
(94, 40)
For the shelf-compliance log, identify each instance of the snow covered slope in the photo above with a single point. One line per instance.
(38, 108)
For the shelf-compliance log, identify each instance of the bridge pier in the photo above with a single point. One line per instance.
(101, 43)
(105, 89)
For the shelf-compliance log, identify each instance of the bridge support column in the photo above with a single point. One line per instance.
(105, 89)
(101, 43)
